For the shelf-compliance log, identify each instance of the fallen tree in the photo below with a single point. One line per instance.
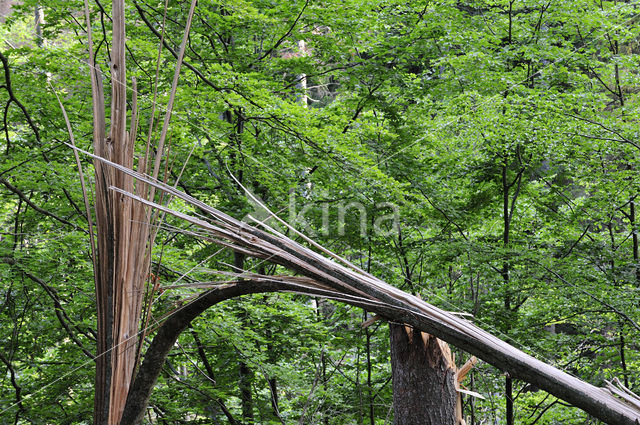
(122, 256)
(338, 279)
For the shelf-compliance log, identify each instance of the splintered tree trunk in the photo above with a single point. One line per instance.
(424, 377)
(245, 375)
(125, 230)
(123, 234)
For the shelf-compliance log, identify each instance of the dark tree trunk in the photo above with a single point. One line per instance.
(424, 391)
(245, 377)
(246, 398)
(634, 236)
(508, 391)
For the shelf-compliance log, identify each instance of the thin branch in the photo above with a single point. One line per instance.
(26, 199)
(85, 197)
(14, 382)
(30, 159)
(544, 411)
(515, 194)
(614, 309)
(444, 214)
(172, 95)
(606, 86)
(61, 314)
(13, 98)
(599, 124)
(175, 54)
(287, 34)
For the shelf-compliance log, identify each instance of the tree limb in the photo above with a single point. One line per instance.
(24, 197)
(168, 334)
(287, 34)
(14, 99)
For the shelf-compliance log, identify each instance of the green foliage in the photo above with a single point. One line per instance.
(438, 109)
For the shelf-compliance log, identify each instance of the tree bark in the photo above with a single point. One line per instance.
(245, 375)
(38, 22)
(424, 390)
(124, 235)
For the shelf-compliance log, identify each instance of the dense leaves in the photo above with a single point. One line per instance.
(481, 154)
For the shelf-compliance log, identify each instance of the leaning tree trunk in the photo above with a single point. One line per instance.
(424, 379)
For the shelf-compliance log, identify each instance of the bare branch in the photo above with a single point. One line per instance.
(26, 199)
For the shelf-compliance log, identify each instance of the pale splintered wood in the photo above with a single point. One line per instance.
(102, 275)
(125, 231)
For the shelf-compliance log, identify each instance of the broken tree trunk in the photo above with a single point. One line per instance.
(424, 379)
(122, 262)
(125, 234)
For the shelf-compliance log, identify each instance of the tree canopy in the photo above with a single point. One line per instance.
(479, 154)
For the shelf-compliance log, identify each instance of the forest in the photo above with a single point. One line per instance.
(242, 212)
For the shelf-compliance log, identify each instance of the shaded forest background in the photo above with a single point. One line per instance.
(480, 154)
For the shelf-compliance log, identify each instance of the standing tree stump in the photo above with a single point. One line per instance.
(424, 379)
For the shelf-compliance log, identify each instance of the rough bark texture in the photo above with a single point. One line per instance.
(424, 390)
(245, 375)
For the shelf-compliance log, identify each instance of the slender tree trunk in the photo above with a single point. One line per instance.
(634, 237)
(245, 376)
(211, 377)
(424, 390)
(372, 419)
(323, 360)
(508, 390)
(246, 397)
(272, 380)
(39, 21)
(472, 402)
(508, 384)
(273, 389)
(302, 97)
(623, 360)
